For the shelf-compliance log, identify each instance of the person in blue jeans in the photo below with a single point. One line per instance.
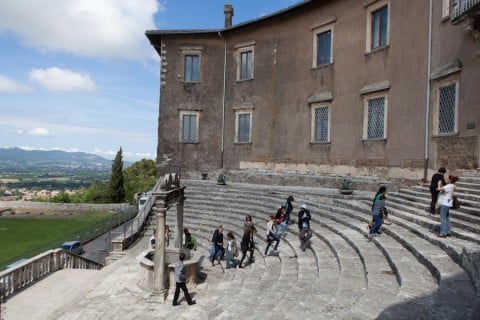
(445, 205)
(378, 208)
(217, 250)
(271, 235)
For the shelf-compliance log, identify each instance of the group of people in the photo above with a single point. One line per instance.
(442, 198)
(276, 228)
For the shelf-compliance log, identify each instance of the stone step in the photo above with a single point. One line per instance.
(469, 199)
(346, 282)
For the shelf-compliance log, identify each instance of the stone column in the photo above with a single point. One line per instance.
(159, 259)
(179, 222)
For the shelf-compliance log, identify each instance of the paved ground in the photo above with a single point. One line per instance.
(111, 293)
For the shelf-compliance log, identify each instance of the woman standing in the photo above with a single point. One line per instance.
(445, 205)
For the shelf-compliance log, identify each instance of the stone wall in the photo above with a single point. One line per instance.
(457, 152)
(22, 207)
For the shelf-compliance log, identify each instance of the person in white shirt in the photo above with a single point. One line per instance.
(271, 235)
(445, 205)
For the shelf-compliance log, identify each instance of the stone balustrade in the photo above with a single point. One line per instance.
(34, 269)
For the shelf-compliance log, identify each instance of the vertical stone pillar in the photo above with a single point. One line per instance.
(159, 259)
(179, 222)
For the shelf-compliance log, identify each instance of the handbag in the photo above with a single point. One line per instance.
(455, 203)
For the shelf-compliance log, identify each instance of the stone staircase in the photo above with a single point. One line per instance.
(405, 273)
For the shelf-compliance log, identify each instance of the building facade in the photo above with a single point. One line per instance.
(389, 88)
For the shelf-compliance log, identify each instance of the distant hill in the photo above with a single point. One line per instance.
(16, 158)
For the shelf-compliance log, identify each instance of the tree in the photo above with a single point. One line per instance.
(139, 177)
(117, 181)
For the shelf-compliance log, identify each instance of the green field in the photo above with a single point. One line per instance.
(27, 237)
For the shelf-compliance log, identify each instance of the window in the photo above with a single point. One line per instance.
(321, 124)
(189, 127)
(447, 101)
(245, 56)
(375, 115)
(445, 9)
(243, 126)
(324, 47)
(192, 60)
(246, 65)
(377, 25)
(191, 68)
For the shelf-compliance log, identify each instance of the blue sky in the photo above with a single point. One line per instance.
(80, 75)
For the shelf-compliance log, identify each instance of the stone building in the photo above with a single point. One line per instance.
(389, 88)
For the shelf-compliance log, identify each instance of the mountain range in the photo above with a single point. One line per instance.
(20, 158)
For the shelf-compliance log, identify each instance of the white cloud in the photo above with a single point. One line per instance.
(39, 132)
(9, 86)
(56, 79)
(92, 28)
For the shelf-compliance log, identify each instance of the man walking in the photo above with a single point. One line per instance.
(180, 279)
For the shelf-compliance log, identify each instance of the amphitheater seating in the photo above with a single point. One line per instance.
(407, 270)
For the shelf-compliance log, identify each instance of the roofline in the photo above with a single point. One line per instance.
(237, 26)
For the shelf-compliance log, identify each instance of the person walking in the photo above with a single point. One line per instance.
(304, 217)
(246, 245)
(271, 235)
(217, 249)
(445, 205)
(279, 216)
(381, 191)
(180, 278)
(437, 181)
(378, 209)
(288, 209)
(250, 226)
(232, 250)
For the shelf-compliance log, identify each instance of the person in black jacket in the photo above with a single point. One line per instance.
(304, 217)
(437, 182)
(288, 209)
(246, 245)
(217, 249)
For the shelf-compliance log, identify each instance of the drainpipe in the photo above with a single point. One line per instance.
(222, 150)
(427, 107)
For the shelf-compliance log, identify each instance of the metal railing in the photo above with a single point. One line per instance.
(131, 230)
(17, 278)
(460, 8)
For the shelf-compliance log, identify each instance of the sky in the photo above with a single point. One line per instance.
(80, 75)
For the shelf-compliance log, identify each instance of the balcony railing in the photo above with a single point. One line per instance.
(462, 9)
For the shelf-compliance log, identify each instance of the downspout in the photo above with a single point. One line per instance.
(427, 107)
(222, 148)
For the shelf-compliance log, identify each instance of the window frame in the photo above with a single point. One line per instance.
(185, 78)
(244, 49)
(436, 122)
(239, 113)
(375, 7)
(316, 33)
(191, 51)
(366, 100)
(197, 122)
(314, 107)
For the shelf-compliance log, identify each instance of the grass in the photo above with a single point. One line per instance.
(27, 237)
